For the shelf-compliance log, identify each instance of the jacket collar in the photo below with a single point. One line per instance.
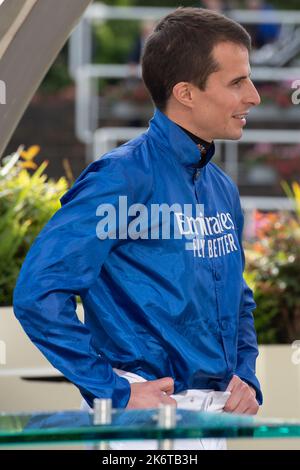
(171, 136)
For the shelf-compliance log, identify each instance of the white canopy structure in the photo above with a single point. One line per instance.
(32, 32)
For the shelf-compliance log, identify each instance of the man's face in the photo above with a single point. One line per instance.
(220, 111)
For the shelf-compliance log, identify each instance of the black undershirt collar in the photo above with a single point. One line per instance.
(202, 144)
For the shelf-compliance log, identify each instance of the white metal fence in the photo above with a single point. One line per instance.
(87, 74)
(107, 138)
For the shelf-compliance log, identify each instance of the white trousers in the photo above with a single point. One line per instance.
(198, 400)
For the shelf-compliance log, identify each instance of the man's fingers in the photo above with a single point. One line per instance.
(233, 382)
(242, 400)
(165, 384)
(236, 399)
(252, 410)
(245, 409)
(241, 408)
(150, 394)
(233, 403)
(166, 400)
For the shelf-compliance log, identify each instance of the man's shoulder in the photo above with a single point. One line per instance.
(132, 154)
(125, 168)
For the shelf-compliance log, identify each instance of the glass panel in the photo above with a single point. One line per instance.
(70, 426)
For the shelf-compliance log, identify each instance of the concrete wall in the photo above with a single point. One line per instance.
(23, 395)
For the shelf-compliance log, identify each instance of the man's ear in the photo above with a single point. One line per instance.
(182, 92)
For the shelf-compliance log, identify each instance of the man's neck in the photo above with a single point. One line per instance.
(183, 120)
(202, 144)
(196, 139)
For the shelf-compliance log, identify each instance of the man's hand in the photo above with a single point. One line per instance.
(242, 399)
(151, 393)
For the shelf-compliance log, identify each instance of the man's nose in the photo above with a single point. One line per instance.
(253, 97)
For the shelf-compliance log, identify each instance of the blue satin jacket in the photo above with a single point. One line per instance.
(154, 304)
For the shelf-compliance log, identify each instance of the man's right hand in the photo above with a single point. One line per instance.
(151, 393)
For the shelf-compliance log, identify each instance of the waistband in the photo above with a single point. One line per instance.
(193, 399)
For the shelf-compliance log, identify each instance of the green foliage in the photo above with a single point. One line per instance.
(58, 76)
(273, 269)
(113, 41)
(27, 201)
(280, 4)
(116, 3)
(285, 5)
(265, 312)
(164, 3)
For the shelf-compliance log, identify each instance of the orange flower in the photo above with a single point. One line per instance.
(28, 156)
(31, 153)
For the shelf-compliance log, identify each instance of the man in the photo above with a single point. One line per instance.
(167, 312)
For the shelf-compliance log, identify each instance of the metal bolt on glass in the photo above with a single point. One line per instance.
(166, 420)
(102, 415)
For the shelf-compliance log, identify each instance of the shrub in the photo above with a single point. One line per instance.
(27, 201)
(273, 264)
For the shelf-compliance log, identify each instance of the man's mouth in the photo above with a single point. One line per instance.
(242, 117)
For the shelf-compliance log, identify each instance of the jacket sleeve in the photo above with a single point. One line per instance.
(63, 262)
(247, 338)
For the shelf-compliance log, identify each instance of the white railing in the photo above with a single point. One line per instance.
(105, 139)
(86, 105)
(81, 44)
(86, 75)
(100, 11)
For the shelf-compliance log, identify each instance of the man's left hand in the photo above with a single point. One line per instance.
(242, 399)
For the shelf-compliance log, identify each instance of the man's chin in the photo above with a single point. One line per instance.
(235, 135)
(229, 134)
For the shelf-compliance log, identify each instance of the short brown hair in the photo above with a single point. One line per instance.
(180, 49)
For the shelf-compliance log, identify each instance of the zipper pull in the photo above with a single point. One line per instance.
(197, 174)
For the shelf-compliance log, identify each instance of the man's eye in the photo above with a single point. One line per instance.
(237, 83)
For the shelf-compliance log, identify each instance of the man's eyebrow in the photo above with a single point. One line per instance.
(242, 77)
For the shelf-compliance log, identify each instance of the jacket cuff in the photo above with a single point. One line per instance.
(119, 392)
